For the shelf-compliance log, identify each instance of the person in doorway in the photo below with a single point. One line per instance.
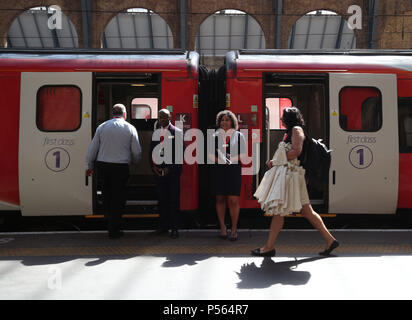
(230, 147)
(287, 190)
(115, 145)
(166, 160)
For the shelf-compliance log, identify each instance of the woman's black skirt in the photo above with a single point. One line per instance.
(226, 179)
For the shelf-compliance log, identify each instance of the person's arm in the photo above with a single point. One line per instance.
(92, 153)
(136, 149)
(298, 136)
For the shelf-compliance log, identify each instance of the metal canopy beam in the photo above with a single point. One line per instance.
(246, 31)
(325, 23)
(135, 32)
(38, 29)
(340, 31)
(150, 24)
(22, 32)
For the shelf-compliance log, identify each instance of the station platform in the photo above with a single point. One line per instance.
(369, 264)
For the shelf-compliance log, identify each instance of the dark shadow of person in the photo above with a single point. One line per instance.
(270, 273)
(178, 260)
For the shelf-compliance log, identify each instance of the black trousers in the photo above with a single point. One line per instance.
(114, 177)
(168, 194)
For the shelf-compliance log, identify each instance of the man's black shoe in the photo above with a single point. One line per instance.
(174, 234)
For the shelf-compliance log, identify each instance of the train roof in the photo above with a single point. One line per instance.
(99, 60)
(366, 61)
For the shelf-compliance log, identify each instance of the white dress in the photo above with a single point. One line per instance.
(283, 188)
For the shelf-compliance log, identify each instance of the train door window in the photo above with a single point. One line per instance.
(360, 109)
(144, 108)
(405, 125)
(59, 108)
(141, 111)
(276, 107)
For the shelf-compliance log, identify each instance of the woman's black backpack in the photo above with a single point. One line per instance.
(316, 162)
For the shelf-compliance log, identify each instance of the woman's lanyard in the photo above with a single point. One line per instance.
(226, 144)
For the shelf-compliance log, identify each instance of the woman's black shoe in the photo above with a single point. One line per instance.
(223, 236)
(333, 246)
(233, 237)
(174, 234)
(270, 253)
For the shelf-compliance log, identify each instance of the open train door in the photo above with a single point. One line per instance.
(55, 131)
(364, 139)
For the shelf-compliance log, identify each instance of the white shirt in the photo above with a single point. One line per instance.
(115, 141)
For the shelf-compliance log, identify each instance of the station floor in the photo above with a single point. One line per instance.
(369, 264)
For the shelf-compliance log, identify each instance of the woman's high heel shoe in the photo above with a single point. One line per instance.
(223, 236)
(233, 236)
(333, 246)
(256, 252)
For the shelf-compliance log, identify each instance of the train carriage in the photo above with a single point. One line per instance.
(54, 101)
(358, 102)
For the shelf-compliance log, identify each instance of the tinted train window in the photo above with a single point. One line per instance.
(405, 125)
(360, 109)
(59, 108)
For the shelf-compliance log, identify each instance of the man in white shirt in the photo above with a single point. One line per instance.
(115, 145)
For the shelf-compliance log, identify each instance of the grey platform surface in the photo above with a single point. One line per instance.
(371, 264)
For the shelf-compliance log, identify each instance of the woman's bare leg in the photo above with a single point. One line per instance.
(275, 226)
(234, 212)
(317, 222)
(221, 211)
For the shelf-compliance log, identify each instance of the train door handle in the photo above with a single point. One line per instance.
(333, 177)
(87, 180)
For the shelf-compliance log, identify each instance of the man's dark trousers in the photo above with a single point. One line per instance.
(168, 194)
(114, 177)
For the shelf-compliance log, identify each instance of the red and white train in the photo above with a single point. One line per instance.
(359, 102)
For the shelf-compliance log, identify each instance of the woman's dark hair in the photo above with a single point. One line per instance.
(232, 117)
(292, 117)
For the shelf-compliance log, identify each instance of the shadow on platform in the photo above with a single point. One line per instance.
(271, 273)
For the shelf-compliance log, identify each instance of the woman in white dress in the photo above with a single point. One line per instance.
(285, 189)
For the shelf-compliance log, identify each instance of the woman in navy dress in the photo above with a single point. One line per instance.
(230, 148)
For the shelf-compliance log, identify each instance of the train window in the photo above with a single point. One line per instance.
(141, 111)
(360, 109)
(144, 108)
(59, 108)
(405, 125)
(275, 107)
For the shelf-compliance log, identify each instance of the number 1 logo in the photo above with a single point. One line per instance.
(361, 157)
(57, 159)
